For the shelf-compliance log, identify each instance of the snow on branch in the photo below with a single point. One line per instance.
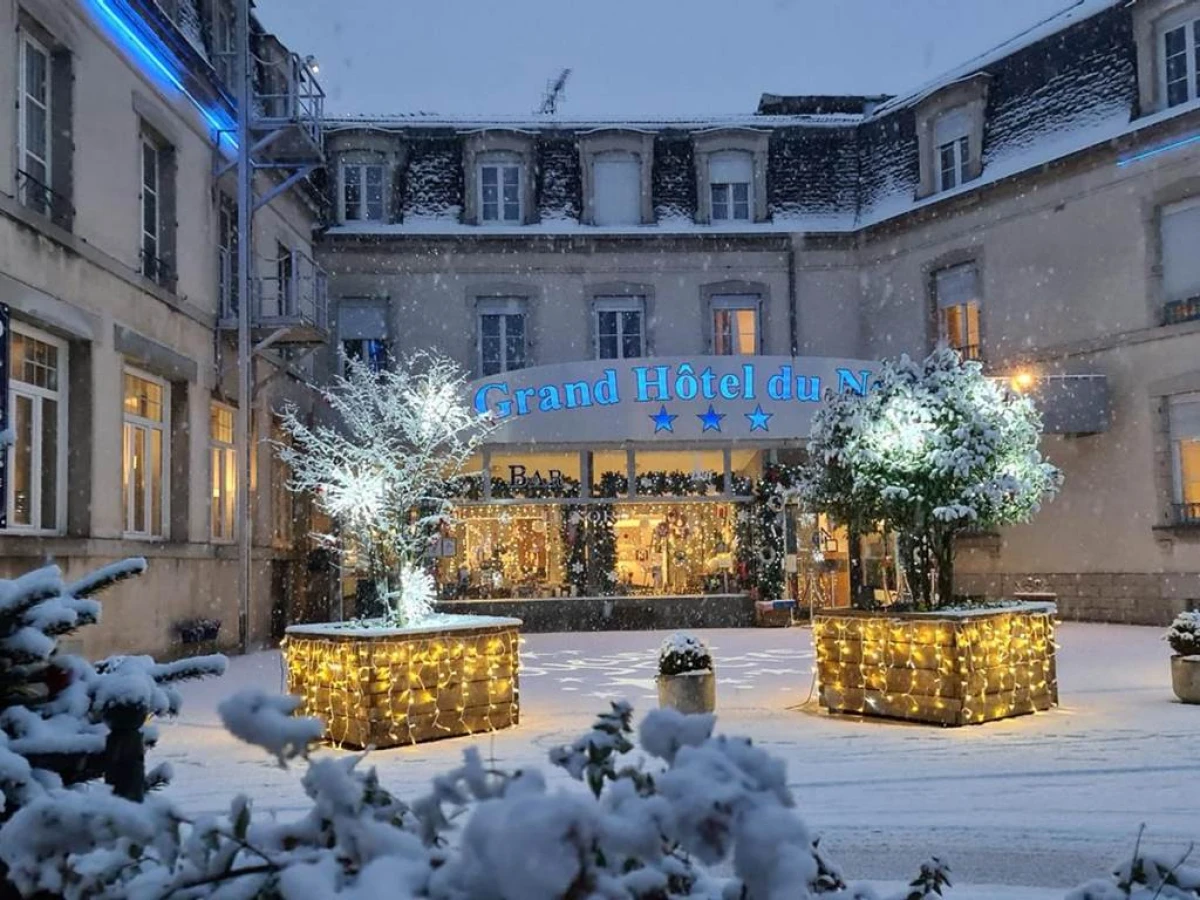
(266, 721)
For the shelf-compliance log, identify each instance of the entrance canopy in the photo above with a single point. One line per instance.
(665, 399)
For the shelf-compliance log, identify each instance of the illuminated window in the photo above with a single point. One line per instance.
(730, 176)
(735, 324)
(145, 455)
(619, 327)
(1179, 59)
(222, 471)
(956, 292)
(953, 147)
(1184, 414)
(37, 405)
(362, 194)
(500, 189)
(501, 335)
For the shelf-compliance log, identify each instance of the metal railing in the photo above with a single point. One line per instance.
(157, 270)
(298, 294)
(1186, 310)
(1186, 513)
(287, 92)
(44, 200)
(227, 285)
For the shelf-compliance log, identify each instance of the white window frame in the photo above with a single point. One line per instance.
(1164, 213)
(729, 186)
(1189, 20)
(961, 344)
(363, 212)
(129, 420)
(501, 162)
(38, 395)
(155, 190)
(29, 43)
(720, 302)
(1176, 438)
(221, 455)
(957, 143)
(618, 305)
(503, 307)
(599, 162)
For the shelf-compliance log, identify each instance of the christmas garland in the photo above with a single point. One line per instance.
(760, 546)
(611, 485)
(590, 550)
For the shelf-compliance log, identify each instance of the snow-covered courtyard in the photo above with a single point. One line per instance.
(1045, 801)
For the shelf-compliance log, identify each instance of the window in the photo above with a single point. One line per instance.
(1179, 226)
(730, 175)
(951, 137)
(33, 158)
(144, 472)
(223, 472)
(362, 192)
(363, 329)
(619, 327)
(617, 189)
(735, 324)
(37, 405)
(223, 42)
(956, 291)
(500, 190)
(284, 269)
(1184, 414)
(153, 252)
(1179, 61)
(227, 255)
(501, 335)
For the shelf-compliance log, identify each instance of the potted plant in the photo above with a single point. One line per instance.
(685, 675)
(1184, 638)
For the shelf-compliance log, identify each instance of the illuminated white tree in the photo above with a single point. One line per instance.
(934, 448)
(379, 469)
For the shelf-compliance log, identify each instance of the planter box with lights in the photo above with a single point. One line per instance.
(951, 667)
(383, 687)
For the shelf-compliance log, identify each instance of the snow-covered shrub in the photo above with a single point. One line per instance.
(683, 653)
(64, 721)
(1184, 634)
(692, 816)
(932, 449)
(382, 468)
(1145, 876)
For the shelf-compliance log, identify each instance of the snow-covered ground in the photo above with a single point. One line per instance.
(1047, 800)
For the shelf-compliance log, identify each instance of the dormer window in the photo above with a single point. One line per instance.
(952, 137)
(617, 188)
(361, 198)
(731, 181)
(500, 189)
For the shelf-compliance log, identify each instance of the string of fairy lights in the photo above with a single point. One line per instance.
(386, 690)
(946, 670)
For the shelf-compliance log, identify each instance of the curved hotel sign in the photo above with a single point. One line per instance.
(706, 398)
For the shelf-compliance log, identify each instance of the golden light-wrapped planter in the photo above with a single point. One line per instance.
(383, 687)
(947, 668)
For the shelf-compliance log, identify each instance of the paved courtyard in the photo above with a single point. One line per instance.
(1047, 800)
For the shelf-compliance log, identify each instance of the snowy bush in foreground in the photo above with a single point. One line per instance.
(683, 653)
(1184, 634)
(933, 448)
(380, 470)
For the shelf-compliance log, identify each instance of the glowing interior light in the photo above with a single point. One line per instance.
(1023, 381)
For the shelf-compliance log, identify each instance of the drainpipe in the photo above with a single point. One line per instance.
(793, 329)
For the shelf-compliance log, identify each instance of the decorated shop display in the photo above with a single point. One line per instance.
(589, 550)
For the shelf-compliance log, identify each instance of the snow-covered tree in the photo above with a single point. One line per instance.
(64, 721)
(934, 448)
(380, 469)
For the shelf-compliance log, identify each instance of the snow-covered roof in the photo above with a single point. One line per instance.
(566, 123)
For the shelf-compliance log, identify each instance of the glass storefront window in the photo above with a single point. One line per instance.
(535, 475)
(679, 472)
(674, 548)
(610, 473)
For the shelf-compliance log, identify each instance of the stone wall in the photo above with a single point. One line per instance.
(1131, 598)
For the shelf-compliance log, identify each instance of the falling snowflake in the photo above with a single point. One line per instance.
(506, 518)
(577, 567)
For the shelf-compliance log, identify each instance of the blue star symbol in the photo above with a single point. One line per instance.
(711, 419)
(758, 418)
(663, 420)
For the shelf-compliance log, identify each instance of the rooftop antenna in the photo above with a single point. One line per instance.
(554, 93)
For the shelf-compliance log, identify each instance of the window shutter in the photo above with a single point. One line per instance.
(363, 320)
(1180, 261)
(617, 190)
(731, 167)
(956, 285)
(1185, 416)
(951, 126)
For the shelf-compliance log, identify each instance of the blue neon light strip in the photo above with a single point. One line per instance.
(1155, 151)
(160, 63)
